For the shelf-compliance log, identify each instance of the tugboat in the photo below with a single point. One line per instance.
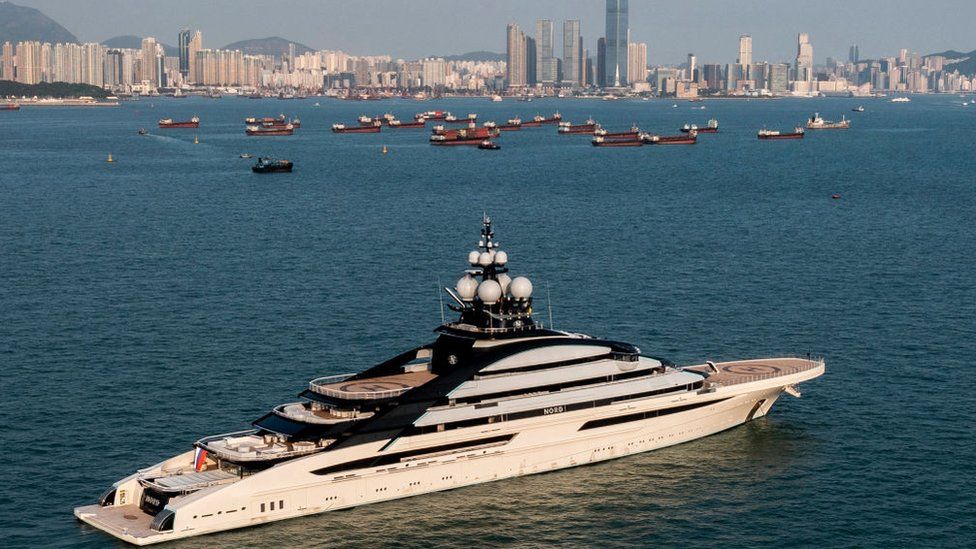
(512, 125)
(567, 128)
(169, 123)
(272, 131)
(489, 145)
(711, 127)
(818, 123)
(797, 133)
(859, 108)
(495, 394)
(270, 165)
(688, 139)
(342, 128)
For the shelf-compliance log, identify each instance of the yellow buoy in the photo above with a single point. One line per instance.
(110, 158)
(384, 149)
(196, 140)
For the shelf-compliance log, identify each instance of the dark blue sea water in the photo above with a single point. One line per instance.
(175, 294)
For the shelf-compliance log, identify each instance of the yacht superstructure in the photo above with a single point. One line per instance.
(495, 395)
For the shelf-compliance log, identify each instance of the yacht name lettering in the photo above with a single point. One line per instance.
(553, 410)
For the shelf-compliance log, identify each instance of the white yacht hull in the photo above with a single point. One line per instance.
(542, 445)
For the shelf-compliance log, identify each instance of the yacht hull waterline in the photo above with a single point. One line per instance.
(495, 396)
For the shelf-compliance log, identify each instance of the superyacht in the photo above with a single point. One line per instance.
(496, 395)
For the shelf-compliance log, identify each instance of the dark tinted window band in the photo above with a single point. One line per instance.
(547, 365)
(396, 457)
(606, 422)
(558, 386)
(548, 410)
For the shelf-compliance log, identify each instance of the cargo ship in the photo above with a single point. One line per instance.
(9, 107)
(688, 139)
(634, 133)
(817, 123)
(634, 140)
(797, 133)
(342, 128)
(534, 123)
(567, 128)
(554, 119)
(433, 115)
(170, 123)
(264, 131)
(451, 119)
(711, 127)
(418, 123)
(513, 124)
(466, 136)
(270, 165)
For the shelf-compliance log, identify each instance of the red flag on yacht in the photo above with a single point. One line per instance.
(199, 459)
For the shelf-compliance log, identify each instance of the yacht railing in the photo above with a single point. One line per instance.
(323, 386)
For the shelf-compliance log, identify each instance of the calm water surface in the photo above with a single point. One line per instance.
(174, 294)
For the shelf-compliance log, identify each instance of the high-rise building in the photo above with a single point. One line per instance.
(195, 45)
(7, 61)
(545, 63)
(28, 61)
(854, 55)
(150, 61)
(531, 64)
(637, 62)
(804, 57)
(572, 53)
(779, 75)
(184, 47)
(618, 32)
(515, 66)
(745, 50)
(601, 62)
(435, 71)
(692, 67)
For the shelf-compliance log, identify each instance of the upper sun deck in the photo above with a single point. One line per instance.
(346, 387)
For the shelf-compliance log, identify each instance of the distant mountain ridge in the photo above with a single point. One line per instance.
(272, 45)
(965, 63)
(133, 42)
(477, 56)
(19, 23)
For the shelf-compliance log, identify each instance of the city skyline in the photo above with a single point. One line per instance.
(427, 27)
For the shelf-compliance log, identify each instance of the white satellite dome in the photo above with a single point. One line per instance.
(467, 286)
(501, 258)
(473, 257)
(521, 288)
(484, 259)
(489, 291)
(504, 280)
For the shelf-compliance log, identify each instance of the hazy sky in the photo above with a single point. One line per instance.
(416, 28)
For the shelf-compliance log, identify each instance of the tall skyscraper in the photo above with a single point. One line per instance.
(637, 61)
(855, 55)
(531, 65)
(150, 61)
(515, 66)
(601, 62)
(195, 45)
(8, 61)
(692, 67)
(572, 53)
(184, 47)
(804, 57)
(545, 62)
(745, 50)
(618, 31)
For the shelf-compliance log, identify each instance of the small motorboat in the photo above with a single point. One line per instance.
(247, 155)
(143, 131)
(859, 108)
(270, 165)
(489, 145)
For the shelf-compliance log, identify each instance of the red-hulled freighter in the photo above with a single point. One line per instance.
(170, 123)
(797, 133)
(464, 136)
(534, 123)
(287, 129)
(689, 139)
(342, 128)
(451, 119)
(711, 127)
(433, 115)
(418, 123)
(633, 140)
(554, 119)
(567, 128)
(634, 133)
(512, 125)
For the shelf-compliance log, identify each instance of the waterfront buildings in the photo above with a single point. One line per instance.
(572, 53)
(546, 65)
(515, 56)
(617, 35)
